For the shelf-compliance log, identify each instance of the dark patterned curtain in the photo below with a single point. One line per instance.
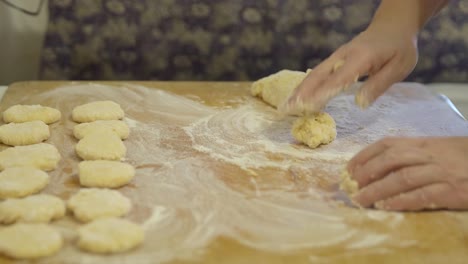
(226, 40)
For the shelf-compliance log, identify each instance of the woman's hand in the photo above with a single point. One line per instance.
(382, 52)
(412, 174)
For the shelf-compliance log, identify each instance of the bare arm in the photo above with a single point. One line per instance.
(386, 51)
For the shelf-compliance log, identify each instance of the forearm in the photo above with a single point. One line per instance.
(406, 16)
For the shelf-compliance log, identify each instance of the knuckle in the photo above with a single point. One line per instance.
(405, 178)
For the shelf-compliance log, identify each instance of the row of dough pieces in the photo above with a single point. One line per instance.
(22, 175)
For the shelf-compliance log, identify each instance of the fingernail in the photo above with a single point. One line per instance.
(361, 100)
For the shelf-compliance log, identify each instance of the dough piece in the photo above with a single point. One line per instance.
(42, 156)
(18, 182)
(90, 204)
(26, 113)
(105, 174)
(276, 88)
(101, 145)
(347, 184)
(99, 110)
(28, 241)
(118, 127)
(314, 130)
(110, 235)
(35, 208)
(27, 133)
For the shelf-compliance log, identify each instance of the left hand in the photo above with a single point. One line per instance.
(409, 174)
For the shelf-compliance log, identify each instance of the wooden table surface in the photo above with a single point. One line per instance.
(220, 179)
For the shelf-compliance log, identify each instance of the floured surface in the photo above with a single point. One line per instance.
(219, 177)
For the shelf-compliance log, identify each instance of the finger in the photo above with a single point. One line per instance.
(378, 83)
(388, 161)
(369, 152)
(400, 181)
(434, 196)
(307, 88)
(377, 148)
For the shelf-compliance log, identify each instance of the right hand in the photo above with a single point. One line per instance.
(384, 54)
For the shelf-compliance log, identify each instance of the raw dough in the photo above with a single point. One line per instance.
(105, 174)
(101, 145)
(42, 156)
(347, 184)
(276, 88)
(27, 133)
(18, 182)
(35, 208)
(27, 241)
(90, 204)
(110, 235)
(25, 113)
(314, 130)
(117, 126)
(99, 110)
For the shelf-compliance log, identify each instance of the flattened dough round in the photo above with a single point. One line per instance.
(27, 133)
(42, 156)
(105, 174)
(119, 127)
(101, 145)
(17, 182)
(28, 241)
(26, 113)
(314, 130)
(99, 110)
(35, 208)
(276, 88)
(110, 235)
(90, 204)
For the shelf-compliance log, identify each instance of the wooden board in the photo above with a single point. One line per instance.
(220, 180)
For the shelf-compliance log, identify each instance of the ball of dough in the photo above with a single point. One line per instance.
(35, 208)
(105, 174)
(26, 113)
(18, 182)
(42, 156)
(28, 241)
(101, 145)
(27, 133)
(110, 235)
(90, 204)
(314, 130)
(117, 126)
(347, 184)
(276, 88)
(99, 110)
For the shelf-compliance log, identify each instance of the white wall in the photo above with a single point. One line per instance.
(21, 38)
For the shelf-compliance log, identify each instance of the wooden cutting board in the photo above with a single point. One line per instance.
(220, 179)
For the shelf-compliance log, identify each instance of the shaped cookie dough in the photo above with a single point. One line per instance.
(18, 182)
(99, 110)
(27, 133)
(91, 204)
(314, 130)
(35, 208)
(42, 156)
(101, 145)
(26, 113)
(29, 241)
(119, 127)
(110, 235)
(105, 174)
